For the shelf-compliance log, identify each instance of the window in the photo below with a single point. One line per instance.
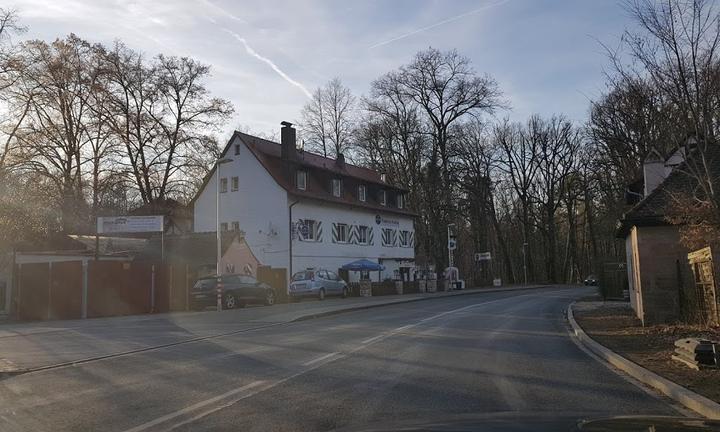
(362, 232)
(309, 230)
(362, 193)
(383, 198)
(224, 226)
(389, 237)
(236, 226)
(322, 274)
(301, 180)
(223, 185)
(341, 233)
(332, 276)
(336, 187)
(237, 149)
(247, 280)
(404, 238)
(234, 184)
(383, 177)
(400, 201)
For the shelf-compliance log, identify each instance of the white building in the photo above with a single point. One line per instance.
(337, 212)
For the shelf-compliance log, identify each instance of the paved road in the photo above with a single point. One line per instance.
(490, 353)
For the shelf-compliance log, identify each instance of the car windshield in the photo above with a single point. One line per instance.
(323, 215)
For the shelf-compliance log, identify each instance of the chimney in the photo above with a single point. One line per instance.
(340, 161)
(653, 171)
(287, 141)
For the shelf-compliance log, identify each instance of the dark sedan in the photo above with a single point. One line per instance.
(237, 291)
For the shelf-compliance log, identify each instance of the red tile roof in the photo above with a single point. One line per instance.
(321, 170)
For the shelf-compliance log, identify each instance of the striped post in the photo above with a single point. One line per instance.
(219, 294)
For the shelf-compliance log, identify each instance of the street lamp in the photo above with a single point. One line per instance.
(525, 261)
(217, 230)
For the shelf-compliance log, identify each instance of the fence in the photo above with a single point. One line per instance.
(73, 289)
(699, 301)
(277, 279)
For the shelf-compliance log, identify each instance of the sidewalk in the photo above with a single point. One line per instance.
(39, 345)
(611, 330)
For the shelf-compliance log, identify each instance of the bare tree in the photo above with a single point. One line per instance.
(519, 162)
(328, 119)
(678, 46)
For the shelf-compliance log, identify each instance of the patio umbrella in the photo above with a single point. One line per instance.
(364, 265)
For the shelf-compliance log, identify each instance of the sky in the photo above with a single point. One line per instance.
(267, 56)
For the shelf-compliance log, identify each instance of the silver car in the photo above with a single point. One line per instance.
(317, 283)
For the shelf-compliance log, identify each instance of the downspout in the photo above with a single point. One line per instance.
(290, 240)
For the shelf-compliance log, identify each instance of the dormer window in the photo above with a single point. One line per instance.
(336, 187)
(383, 198)
(362, 193)
(400, 201)
(301, 180)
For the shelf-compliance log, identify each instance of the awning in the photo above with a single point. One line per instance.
(363, 265)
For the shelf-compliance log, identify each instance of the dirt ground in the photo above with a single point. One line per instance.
(615, 326)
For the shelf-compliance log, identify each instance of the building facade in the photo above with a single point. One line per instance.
(300, 210)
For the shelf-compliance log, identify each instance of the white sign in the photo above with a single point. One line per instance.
(130, 224)
(483, 256)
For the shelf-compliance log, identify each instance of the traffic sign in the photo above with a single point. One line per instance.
(483, 256)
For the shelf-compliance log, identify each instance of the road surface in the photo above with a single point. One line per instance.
(502, 352)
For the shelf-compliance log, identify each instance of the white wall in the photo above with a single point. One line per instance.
(259, 205)
(330, 255)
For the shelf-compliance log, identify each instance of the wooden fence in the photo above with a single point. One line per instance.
(72, 290)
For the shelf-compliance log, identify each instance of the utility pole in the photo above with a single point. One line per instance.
(525, 262)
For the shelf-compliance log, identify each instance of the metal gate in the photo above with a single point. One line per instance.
(703, 297)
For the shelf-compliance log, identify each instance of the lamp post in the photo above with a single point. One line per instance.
(525, 262)
(218, 264)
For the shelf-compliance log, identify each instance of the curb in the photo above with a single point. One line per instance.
(678, 393)
(371, 306)
(10, 373)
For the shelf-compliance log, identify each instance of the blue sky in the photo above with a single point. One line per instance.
(545, 54)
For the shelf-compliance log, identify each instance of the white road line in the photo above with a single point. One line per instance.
(321, 358)
(225, 401)
(374, 338)
(191, 408)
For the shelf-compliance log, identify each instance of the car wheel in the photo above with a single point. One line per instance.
(321, 294)
(230, 301)
(345, 292)
(269, 298)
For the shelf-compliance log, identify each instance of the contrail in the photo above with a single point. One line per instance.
(270, 63)
(438, 24)
(224, 12)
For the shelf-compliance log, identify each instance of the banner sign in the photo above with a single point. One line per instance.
(130, 224)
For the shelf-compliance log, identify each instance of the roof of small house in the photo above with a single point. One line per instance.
(654, 208)
(194, 248)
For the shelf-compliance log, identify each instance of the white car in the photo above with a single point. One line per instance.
(317, 283)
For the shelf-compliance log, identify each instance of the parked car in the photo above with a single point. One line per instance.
(317, 283)
(590, 280)
(237, 291)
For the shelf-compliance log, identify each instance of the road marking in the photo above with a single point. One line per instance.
(321, 358)
(262, 386)
(198, 405)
